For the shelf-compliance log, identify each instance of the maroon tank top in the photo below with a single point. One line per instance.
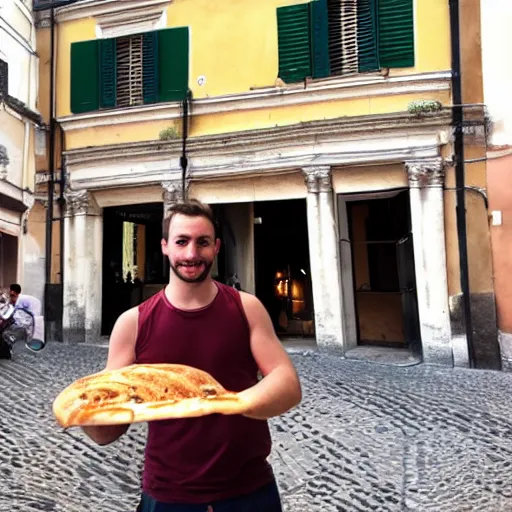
(200, 460)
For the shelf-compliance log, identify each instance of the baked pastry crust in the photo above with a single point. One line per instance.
(144, 392)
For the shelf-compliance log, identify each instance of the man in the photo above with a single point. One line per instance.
(217, 463)
(17, 300)
(17, 330)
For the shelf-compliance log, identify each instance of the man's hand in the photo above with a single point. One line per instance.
(279, 390)
(121, 353)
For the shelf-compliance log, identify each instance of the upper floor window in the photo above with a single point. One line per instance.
(341, 37)
(129, 71)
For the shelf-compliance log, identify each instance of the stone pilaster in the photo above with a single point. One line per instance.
(324, 258)
(426, 179)
(28, 201)
(83, 265)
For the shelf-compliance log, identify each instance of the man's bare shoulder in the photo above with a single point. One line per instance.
(123, 339)
(249, 300)
(130, 317)
(253, 307)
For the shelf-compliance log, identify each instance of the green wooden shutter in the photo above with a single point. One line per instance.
(320, 39)
(396, 33)
(293, 29)
(150, 67)
(173, 48)
(108, 73)
(367, 35)
(84, 77)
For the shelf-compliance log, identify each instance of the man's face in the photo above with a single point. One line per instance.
(191, 247)
(13, 297)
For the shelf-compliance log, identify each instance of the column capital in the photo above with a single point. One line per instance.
(28, 199)
(426, 173)
(318, 178)
(172, 192)
(80, 202)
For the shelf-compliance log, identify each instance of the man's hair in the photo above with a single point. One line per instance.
(16, 288)
(189, 208)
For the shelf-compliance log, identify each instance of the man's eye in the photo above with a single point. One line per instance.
(204, 243)
(181, 242)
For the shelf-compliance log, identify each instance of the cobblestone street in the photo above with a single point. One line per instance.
(365, 438)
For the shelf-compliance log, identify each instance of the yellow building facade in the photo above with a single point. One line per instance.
(320, 132)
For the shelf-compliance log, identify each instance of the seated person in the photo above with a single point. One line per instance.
(17, 300)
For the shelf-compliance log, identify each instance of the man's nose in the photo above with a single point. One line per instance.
(192, 251)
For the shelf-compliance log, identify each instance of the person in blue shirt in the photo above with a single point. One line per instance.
(17, 301)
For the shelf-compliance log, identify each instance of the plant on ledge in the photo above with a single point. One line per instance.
(419, 107)
(170, 133)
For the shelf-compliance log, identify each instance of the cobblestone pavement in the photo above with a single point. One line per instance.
(365, 438)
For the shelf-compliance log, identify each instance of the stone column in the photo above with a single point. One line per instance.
(324, 258)
(83, 267)
(426, 179)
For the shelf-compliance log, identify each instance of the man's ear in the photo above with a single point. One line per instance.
(217, 246)
(164, 245)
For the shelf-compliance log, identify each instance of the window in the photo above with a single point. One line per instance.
(341, 37)
(129, 71)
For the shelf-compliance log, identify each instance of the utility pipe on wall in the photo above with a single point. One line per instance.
(458, 121)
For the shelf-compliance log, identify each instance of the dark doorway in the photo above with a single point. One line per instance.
(8, 260)
(283, 277)
(383, 269)
(133, 265)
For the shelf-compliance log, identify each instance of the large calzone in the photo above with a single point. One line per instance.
(144, 392)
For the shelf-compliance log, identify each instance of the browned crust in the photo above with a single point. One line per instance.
(139, 393)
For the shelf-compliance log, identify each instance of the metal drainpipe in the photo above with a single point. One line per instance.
(183, 158)
(51, 180)
(457, 121)
(62, 205)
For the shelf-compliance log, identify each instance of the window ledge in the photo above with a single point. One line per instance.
(271, 97)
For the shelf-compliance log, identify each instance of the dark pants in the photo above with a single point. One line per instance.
(5, 349)
(265, 499)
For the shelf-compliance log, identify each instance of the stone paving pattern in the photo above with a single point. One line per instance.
(365, 438)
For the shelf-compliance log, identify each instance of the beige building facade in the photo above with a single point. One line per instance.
(20, 125)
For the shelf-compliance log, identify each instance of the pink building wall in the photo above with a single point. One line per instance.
(499, 181)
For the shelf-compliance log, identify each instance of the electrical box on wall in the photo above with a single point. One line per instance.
(496, 218)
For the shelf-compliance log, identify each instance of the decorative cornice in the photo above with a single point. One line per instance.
(426, 173)
(275, 138)
(346, 141)
(80, 202)
(134, 21)
(97, 8)
(320, 91)
(318, 178)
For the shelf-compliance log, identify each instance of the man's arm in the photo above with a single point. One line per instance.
(279, 390)
(121, 353)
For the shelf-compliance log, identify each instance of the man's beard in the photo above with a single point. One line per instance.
(198, 279)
